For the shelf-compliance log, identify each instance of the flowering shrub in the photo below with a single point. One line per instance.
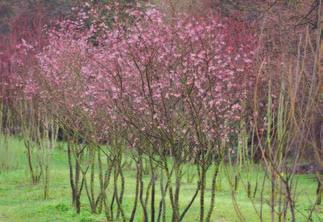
(158, 74)
(170, 88)
(17, 53)
(166, 85)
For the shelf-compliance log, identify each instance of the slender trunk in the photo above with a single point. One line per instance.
(291, 201)
(255, 190)
(30, 163)
(319, 191)
(120, 197)
(236, 182)
(99, 201)
(162, 202)
(118, 200)
(104, 183)
(46, 142)
(141, 191)
(46, 181)
(71, 174)
(93, 205)
(191, 202)
(153, 191)
(215, 175)
(112, 203)
(272, 201)
(106, 210)
(202, 191)
(262, 198)
(147, 193)
(175, 196)
(78, 192)
(280, 202)
(75, 178)
(249, 189)
(134, 209)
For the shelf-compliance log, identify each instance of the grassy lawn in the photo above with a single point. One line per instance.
(21, 201)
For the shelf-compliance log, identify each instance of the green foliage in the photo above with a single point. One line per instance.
(87, 217)
(62, 207)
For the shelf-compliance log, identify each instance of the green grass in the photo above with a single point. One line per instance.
(21, 201)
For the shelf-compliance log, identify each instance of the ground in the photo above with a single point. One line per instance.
(21, 201)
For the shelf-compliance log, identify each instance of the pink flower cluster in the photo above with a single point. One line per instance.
(180, 76)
